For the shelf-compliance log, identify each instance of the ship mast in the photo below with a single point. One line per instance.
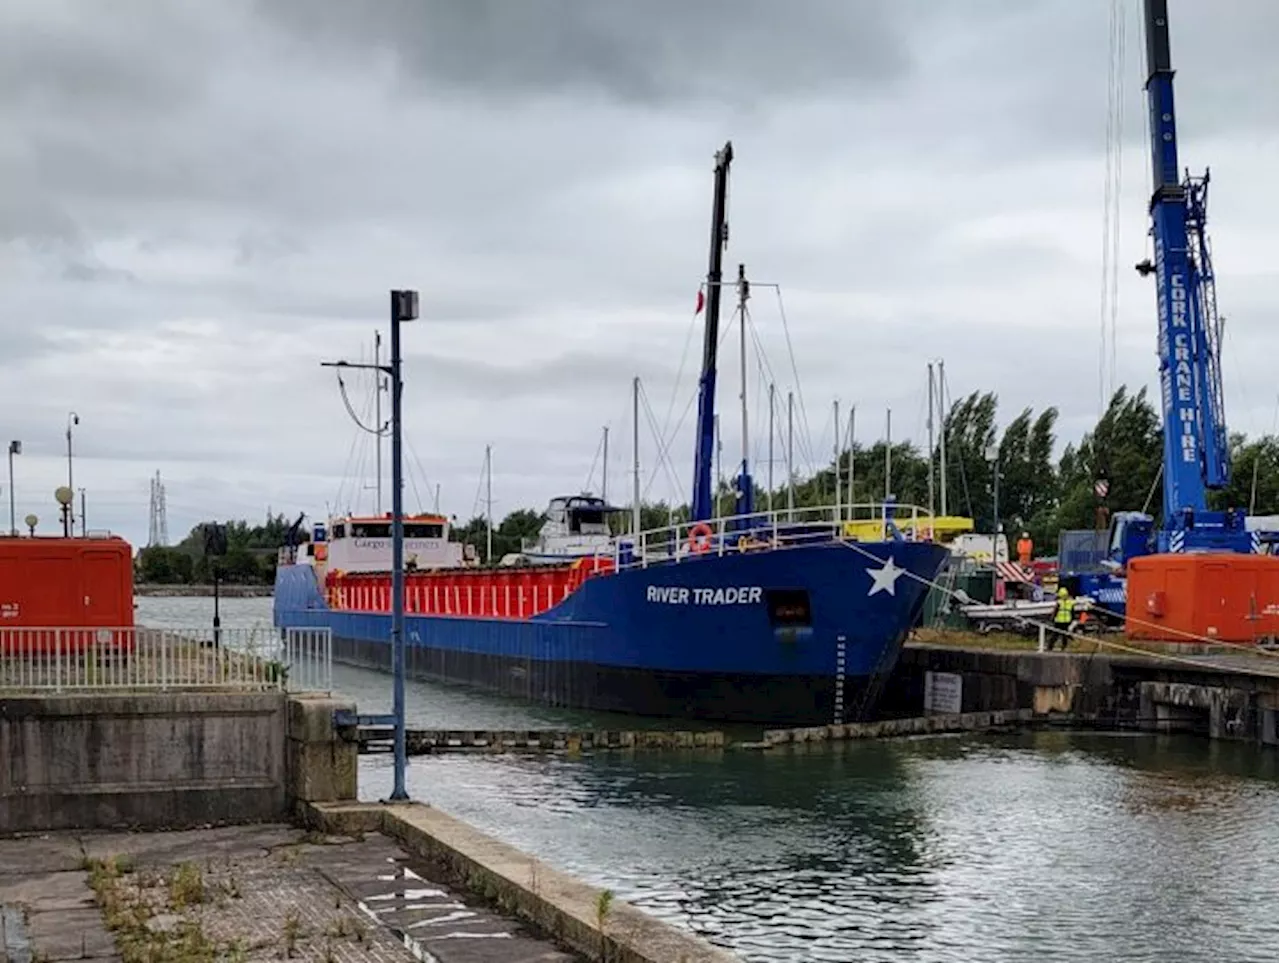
(745, 485)
(700, 507)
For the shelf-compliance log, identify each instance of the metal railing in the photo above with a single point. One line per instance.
(100, 659)
(781, 528)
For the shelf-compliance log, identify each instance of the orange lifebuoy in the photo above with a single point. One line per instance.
(700, 538)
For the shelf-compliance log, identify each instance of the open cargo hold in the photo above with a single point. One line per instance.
(64, 584)
(1187, 597)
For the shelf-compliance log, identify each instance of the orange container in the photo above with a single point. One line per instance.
(64, 583)
(1191, 598)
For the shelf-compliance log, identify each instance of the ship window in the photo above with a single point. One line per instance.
(585, 516)
(788, 607)
(339, 531)
(424, 530)
(370, 530)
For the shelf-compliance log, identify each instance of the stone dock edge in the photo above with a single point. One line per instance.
(889, 728)
(519, 884)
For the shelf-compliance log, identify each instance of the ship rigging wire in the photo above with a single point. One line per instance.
(1108, 308)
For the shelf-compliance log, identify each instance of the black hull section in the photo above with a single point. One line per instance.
(733, 698)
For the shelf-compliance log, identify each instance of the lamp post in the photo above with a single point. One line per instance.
(69, 516)
(404, 307)
(993, 457)
(15, 448)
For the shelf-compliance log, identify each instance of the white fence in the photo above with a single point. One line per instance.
(235, 659)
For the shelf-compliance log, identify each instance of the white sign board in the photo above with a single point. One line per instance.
(942, 692)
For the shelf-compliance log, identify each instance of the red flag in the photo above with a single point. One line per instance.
(701, 301)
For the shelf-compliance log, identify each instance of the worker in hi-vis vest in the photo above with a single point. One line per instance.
(1024, 550)
(1061, 620)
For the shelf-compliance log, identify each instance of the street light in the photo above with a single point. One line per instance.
(993, 457)
(69, 517)
(404, 307)
(15, 448)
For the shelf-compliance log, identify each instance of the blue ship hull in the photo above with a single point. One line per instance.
(798, 635)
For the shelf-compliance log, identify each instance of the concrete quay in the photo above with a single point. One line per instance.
(363, 882)
(249, 893)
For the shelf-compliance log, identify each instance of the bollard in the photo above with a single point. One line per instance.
(1040, 640)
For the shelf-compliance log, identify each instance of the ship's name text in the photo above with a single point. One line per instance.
(679, 595)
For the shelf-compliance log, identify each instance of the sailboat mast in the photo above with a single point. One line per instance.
(835, 446)
(745, 486)
(701, 504)
(942, 436)
(377, 420)
(929, 424)
(888, 453)
(635, 457)
(488, 504)
(853, 410)
(604, 468)
(771, 430)
(715, 510)
(791, 471)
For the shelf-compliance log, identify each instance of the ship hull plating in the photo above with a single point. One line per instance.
(793, 636)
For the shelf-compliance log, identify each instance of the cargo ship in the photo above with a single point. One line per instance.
(776, 616)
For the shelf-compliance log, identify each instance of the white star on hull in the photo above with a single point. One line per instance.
(885, 579)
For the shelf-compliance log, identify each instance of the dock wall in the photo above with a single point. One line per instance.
(156, 760)
(1113, 690)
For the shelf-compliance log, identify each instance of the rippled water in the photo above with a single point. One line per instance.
(1038, 847)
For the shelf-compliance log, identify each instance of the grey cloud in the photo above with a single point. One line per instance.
(658, 52)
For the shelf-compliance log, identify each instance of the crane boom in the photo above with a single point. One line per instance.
(1195, 435)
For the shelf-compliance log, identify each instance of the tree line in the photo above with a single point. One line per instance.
(250, 557)
(1036, 494)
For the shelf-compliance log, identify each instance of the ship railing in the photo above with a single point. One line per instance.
(772, 530)
(237, 659)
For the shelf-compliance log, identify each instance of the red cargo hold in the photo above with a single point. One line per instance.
(64, 583)
(1190, 597)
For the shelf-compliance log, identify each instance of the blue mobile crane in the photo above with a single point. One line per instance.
(1196, 456)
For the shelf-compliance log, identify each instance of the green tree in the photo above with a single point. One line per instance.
(1255, 476)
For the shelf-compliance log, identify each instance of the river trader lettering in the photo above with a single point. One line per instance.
(679, 595)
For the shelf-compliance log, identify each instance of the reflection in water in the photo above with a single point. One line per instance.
(1011, 847)
(1030, 847)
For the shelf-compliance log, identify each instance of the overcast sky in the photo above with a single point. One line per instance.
(200, 202)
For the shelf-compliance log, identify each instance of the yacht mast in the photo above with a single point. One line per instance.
(604, 468)
(488, 503)
(771, 431)
(791, 471)
(929, 424)
(635, 456)
(377, 420)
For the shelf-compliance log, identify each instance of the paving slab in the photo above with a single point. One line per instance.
(265, 892)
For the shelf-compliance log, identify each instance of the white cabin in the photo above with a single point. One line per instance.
(576, 526)
(362, 543)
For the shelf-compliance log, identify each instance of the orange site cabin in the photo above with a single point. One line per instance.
(1193, 597)
(66, 583)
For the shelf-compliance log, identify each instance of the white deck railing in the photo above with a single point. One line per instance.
(780, 528)
(97, 659)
